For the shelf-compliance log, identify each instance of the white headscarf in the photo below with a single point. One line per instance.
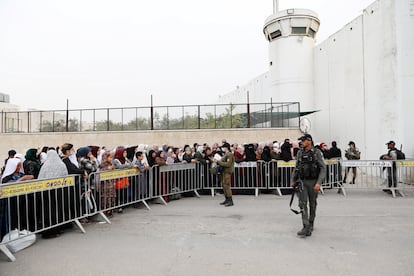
(53, 166)
(74, 160)
(276, 148)
(22, 158)
(11, 167)
(43, 156)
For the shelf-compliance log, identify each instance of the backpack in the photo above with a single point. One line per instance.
(400, 154)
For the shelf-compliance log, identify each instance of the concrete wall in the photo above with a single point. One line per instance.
(339, 87)
(364, 80)
(22, 142)
(405, 77)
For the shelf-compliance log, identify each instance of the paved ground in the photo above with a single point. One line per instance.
(365, 233)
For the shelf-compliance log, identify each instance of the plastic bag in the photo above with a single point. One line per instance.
(17, 240)
(121, 183)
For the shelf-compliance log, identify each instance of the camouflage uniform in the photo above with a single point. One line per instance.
(227, 162)
(310, 169)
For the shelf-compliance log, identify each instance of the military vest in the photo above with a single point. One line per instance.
(308, 165)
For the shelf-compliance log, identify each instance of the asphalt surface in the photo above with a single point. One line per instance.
(365, 233)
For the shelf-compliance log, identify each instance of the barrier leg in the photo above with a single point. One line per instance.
(146, 204)
(163, 201)
(279, 192)
(322, 191)
(80, 226)
(341, 190)
(400, 193)
(256, 192)
(7, 252)
(105, 218)
(212, 192)
(197, 194)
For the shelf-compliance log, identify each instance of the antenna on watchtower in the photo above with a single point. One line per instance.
(275, 6)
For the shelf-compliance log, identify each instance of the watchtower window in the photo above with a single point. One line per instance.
(275, 34)
(311, 32)
(299, 30)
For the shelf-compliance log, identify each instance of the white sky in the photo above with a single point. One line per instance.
(107, 53)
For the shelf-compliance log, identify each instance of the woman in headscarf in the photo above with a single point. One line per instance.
(199, 155)
(32, 164)
(87, 161)
(265, 156)
(130, 153)
(188, 154)
(121, 162)
(286, 152)
(17, 204)
(12, 171)
(43, 155)
(275, 154)
(249, 153)
(96, 152)
(151, 158)
(160, 159)
(53, 167)
(107, 188)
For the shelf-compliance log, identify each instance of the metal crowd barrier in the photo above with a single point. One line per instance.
(114, 189)
(43, 204)
(173, 179)
(279, 175)
(247, 176)
(40, 205)
(388, 175)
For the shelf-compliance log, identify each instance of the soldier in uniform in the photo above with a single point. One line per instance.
(391, 171)
(309, 173)
(227, 162)
(352, 153)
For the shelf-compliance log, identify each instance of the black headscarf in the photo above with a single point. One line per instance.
(151, 160)
(266, 154)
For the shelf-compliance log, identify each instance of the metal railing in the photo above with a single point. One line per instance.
(218, 116)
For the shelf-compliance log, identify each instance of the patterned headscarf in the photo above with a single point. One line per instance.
(105, 164)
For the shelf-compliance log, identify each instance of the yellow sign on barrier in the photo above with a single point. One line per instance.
(17, 189)
(406, 163)
(106, 175)
(331, 161)
(290, 164)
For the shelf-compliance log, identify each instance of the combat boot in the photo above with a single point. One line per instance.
(230, 202)
(305, 231)
(225, 201)
(311, 226)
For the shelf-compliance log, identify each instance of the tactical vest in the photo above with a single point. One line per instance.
(308, 165)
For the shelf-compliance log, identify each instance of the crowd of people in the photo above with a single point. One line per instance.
(52, 162)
